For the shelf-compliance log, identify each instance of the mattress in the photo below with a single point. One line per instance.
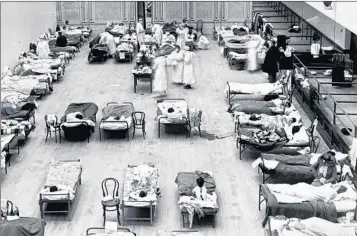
(9, 111)
(304, 210)
(24, 226)
(140, 178)
(178, 233)
(64, 175)
(19, 84)
(172, 111)
(114, 116)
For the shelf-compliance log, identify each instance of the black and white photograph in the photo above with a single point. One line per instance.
(178, 118)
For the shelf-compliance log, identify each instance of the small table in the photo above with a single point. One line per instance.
(144, 77)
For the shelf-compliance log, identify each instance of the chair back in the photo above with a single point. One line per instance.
(115, 189)
(138, 117)
(313, 127)
(51, 121)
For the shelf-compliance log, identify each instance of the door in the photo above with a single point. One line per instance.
(353, 52)
(141, 12)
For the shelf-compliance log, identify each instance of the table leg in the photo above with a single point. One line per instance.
(151, 85)
(135, 83)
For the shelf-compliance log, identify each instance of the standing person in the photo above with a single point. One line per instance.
(326, 171)
(271, 62)
(252, 57)
(140, 32)
(181, 36)
(158, 34)
(160, 76)
(188, 70)
(176, 65)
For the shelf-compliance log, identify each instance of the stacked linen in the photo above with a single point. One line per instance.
(137, 179)
(22, 128)
(21, 84)
(126, 47)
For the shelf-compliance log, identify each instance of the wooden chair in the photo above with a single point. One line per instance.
(310, 132)
(139, 122)
(111, 200)
(52, 125)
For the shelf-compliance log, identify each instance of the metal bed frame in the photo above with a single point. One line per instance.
(14, 142)
(115, 121)
(184, 231)
(88, 231)
(127, 55)
(76, 122)
(186, 124)
(42, 201)
(152, 207)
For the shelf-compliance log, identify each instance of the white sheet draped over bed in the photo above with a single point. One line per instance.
(257, 89)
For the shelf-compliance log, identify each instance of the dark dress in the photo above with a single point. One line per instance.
(61, 41)
(270, 65)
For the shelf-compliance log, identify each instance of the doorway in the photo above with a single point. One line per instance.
(353, 52)
(144, 11)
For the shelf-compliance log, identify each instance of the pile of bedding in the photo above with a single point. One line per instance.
(72, 120)
(117, 112)
(282, 226)
(238, 56)
(11, 111)
(23, 226)
(142, 70)
(261, 136)
(149, 39)
(13, 97)
(172, 111)
(21, 85)
(257, 89)
(13, 126)
(126, 47)
(63, 175)
(137, 179)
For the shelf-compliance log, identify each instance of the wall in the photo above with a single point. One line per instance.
(343, 13)
(336, 32)
(21, 24)
(96, 14)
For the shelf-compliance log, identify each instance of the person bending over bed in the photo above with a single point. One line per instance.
(61, 40)
(326, 171)
(200, 191)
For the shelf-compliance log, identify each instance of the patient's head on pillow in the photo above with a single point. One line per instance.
(53, 189)
(116, 118)
(170, 110)
(341, 189)
(200, 182)
(142, 194)
(79, 116)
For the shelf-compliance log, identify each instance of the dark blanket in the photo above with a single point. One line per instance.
(100, 50)
(320, 209)
(89, 110)
(80, 132)
(291, 169)
(186, 181)
(23, 112)
(165, 50)
(25, 226)
(252, 107)
(118, 110)
(95, 41)
(299, 160)
(272, 57)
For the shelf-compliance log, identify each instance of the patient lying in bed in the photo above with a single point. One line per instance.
(258, 89)
(77, 117)
(58, 192)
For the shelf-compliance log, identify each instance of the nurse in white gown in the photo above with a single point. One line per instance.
(252, 57)
(108, 39)
(158, 34)
(160, 78)
(181, 37)
(188, 70)
(175, 65)
(140, 32)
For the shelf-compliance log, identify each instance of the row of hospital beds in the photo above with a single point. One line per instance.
(286, 161)
(20, 92)
(79, 119)
(66, 177)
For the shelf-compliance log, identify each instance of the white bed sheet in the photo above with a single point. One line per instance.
(257, 89)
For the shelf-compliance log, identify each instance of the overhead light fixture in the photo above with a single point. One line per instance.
(328, 5)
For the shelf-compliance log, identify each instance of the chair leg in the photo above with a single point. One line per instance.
(199, 130)
(55, 136)
(143, 131)
(100, 134)
(133, 132)
(118, 215)
(104, 216)
(46, 136)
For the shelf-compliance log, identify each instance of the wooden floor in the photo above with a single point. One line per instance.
(237, 182)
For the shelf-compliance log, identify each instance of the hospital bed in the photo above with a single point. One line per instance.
(178, 233)
(77, 129)
(124, 51)
(24, 226)
(66, 176)
(21, 128)
(31, 85)
(174, 113)
(140, 178)
(186, 181)
(116, 116)
(23, 111)
(321, 208)
(292, 169)
(101, 232)
(282, 226)
(8, 143)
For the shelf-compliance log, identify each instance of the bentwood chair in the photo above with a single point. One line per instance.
(110, 201)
